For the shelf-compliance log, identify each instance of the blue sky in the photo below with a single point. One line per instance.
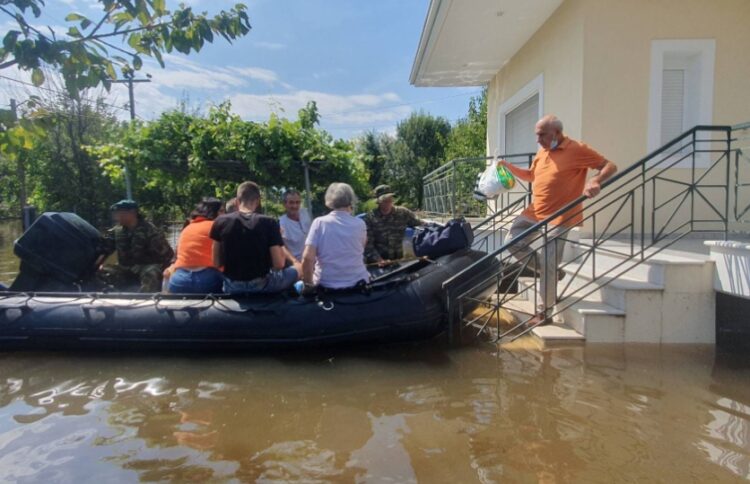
(353, 57)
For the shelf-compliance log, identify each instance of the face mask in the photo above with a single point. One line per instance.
(554, 144)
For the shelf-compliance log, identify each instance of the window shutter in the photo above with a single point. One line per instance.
(519, 127)
(672, 104)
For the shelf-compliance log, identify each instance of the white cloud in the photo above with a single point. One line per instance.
(184, 73)
(335, 109)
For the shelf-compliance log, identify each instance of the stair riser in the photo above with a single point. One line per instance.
(596, 328)
(652, 272)
(608, 294)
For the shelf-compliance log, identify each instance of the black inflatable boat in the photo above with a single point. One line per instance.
(404, 304)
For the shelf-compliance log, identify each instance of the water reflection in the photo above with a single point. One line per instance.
(403, 414)
(9, 232)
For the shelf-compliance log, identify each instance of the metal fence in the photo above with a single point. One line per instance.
(449, 189)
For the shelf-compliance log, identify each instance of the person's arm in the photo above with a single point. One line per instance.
(371, 255)
(518, 172)
(309, 256)
(414, 221)
(278, 259)
(289, 257)
(594, 185)
(217, 254)
(107, 247)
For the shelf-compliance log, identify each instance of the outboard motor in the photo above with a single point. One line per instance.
(58, 253)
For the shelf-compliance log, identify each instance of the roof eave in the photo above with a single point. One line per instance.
(429, 24)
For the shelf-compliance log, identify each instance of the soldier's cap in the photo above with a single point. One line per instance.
(382, 192)
(124, 205)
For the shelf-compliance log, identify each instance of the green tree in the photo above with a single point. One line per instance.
(468, 138)
(179, 158)
(373, 152)
(418, 149)
(129, 28)
(43, 162)
(64, 175)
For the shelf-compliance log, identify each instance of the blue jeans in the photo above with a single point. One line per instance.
(275, 281)
(206, 281)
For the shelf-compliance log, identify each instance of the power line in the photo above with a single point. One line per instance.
(55, 91)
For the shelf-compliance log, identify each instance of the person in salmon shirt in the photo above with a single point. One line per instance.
(193, 272)
(558, 176)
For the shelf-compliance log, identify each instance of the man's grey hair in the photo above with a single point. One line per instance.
(340, 195)
(553, 122)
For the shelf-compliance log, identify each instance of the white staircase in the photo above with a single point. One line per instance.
(667, 298)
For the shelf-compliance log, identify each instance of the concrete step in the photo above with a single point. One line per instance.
(652, 268)
(597, 322)
(609, 290)
(557, 335)
(546, 336)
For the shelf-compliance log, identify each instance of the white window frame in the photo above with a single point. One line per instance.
(535, 87)
(706, 49)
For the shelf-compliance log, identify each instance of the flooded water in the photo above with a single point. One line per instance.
(400, 414)
(9, 232)
(408, 413)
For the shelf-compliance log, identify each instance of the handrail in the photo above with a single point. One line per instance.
(575, 203)
(449, 188)
(500, 212)
(452, 162)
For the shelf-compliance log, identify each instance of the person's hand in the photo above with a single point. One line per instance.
(592, 188)
(383, 263)
(504, 163)
(309, 290)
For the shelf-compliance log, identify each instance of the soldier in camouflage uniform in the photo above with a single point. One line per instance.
(385, 227)
(142, 250)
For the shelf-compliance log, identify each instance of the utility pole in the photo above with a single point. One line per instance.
(308, 190)
(131, 95)
(20, 164)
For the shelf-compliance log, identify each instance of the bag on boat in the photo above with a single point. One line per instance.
(436, 240)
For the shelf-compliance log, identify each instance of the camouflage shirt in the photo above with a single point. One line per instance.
(385, 233)
(143, 244)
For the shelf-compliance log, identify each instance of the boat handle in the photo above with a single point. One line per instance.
(19, 311)
(103, 312)
(325, 305)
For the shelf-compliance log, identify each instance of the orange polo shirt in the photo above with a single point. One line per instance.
(559, 178)
(195, 246)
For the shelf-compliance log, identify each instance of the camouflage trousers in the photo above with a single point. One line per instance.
(147, 276)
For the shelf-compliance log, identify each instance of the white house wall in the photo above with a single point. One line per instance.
(555, 52)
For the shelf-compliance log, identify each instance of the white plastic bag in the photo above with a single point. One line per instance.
(489, 185)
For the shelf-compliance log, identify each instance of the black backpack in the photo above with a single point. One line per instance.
(435, 240)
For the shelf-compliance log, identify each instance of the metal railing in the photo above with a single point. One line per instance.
(741, 194)
(682, 188)
(449, 189)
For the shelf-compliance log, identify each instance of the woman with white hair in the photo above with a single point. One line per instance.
(335, 246)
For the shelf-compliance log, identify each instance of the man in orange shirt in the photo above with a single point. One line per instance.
(558, 177)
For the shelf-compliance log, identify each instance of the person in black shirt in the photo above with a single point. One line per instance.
(250, 248)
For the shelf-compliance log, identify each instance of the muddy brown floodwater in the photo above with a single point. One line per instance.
(407, 413)
(393, 414)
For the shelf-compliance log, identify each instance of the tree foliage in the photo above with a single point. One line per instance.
(43, 162)
(92, 50)
(179, 158)
(402, 161)
(468, 138)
